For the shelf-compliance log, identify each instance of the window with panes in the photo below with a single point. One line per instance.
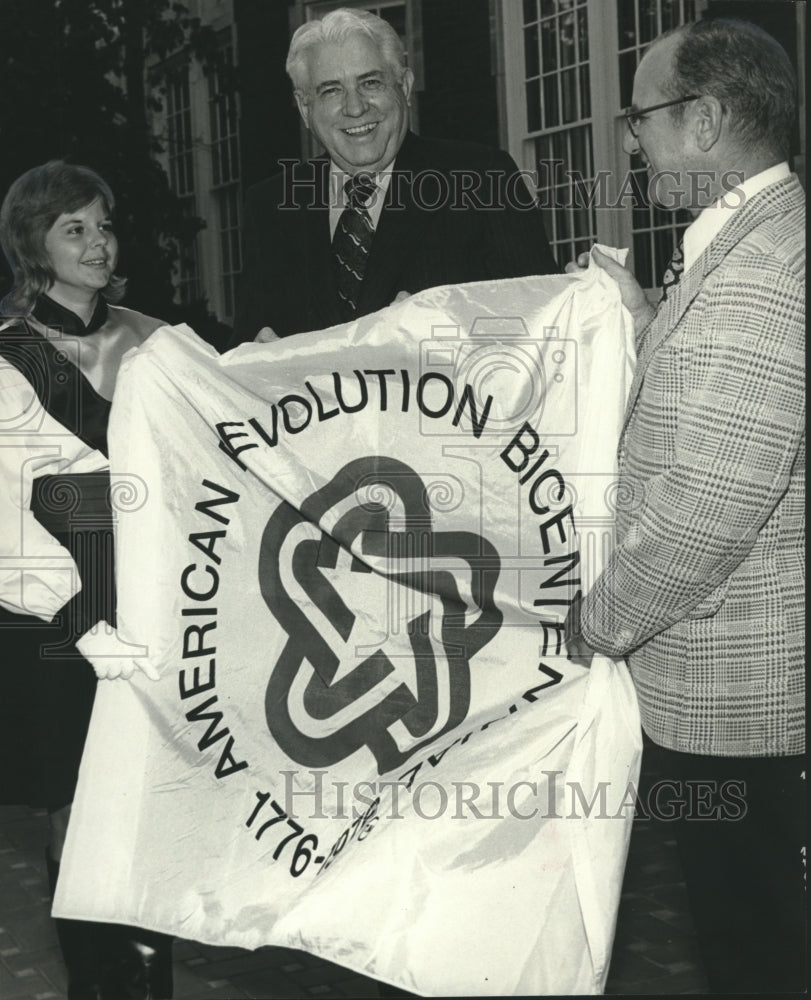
(223, 121)
(180, 150)
(654, 231)
(557, 86)
(571, 75)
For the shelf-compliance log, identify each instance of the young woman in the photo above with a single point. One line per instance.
(62, 338)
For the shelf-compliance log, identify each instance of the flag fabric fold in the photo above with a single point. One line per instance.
(348, 555)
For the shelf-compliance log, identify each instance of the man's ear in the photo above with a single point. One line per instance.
(407, 83)
(303, 105)
(709, 121)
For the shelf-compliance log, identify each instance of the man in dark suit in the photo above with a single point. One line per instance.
(426, 212)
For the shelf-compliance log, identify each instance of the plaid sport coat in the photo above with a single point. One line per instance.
(705, 589)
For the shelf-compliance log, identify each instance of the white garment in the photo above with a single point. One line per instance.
(338, 199)
(700, 233)
(37, 574)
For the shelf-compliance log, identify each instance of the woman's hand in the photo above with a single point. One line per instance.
(112, 657)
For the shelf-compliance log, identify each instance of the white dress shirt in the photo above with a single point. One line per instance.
(701, 232)
(338, 200)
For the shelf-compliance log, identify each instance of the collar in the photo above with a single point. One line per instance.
(700, 233)
(338, 178)
(52, 314)
(337, 195)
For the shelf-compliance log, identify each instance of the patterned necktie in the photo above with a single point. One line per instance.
(352, 242)
(673, 271)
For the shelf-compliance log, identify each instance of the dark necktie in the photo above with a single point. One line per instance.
(352, 242)
(673, 271)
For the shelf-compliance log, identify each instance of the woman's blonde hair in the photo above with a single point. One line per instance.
(32, 205)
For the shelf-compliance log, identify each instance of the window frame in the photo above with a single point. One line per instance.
(614, 225)
(225, 192)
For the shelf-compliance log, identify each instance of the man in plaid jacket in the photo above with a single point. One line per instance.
(705, 591)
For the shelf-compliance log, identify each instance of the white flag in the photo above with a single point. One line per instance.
(348, 554)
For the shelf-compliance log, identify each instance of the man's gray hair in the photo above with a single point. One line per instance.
(747, 70)
(337, 26)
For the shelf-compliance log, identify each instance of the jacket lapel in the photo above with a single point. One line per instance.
(320, 289)
(775, 199)
(398, 228)
(662, 325)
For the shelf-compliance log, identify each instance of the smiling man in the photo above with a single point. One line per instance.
(384, 211)
(355, 100)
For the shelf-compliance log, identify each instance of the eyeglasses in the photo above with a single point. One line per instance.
(634, 117)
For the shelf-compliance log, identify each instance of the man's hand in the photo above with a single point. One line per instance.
(265, 336)
(577, 649)
(632, 293)
(399, 297)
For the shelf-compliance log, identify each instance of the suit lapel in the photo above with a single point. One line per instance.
(321, 288)
(777, 198)
(398, 228)
(662, 326)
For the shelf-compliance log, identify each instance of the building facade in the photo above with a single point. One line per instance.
(545, 79)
